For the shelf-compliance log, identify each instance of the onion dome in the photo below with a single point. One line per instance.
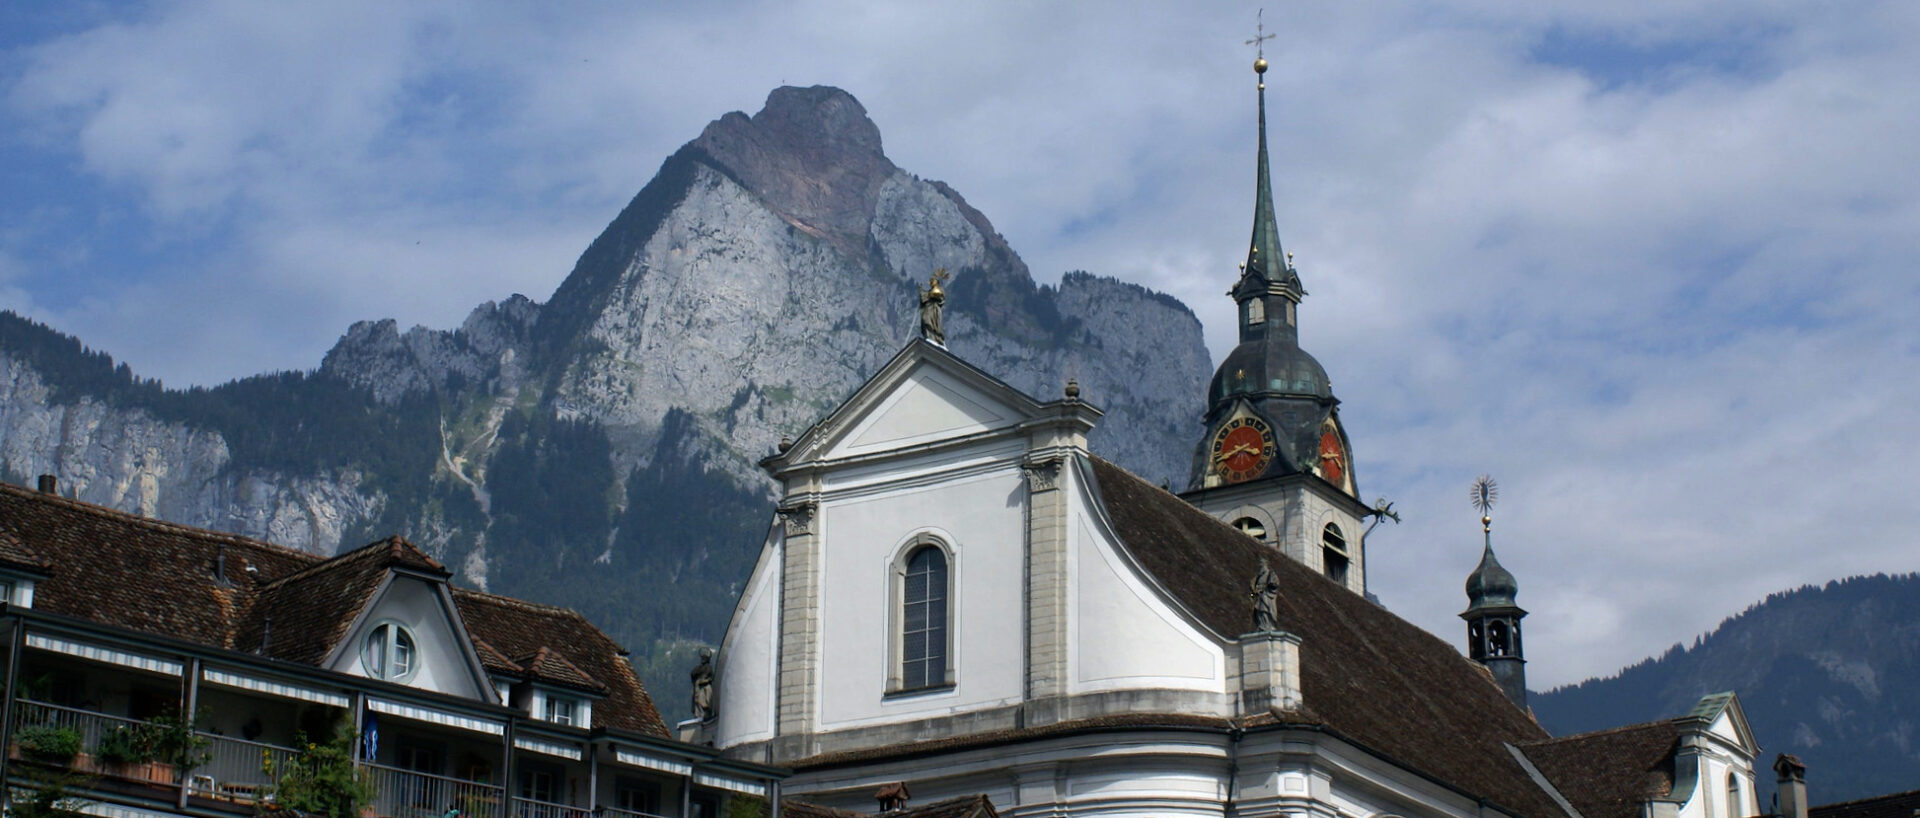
(1490, 584)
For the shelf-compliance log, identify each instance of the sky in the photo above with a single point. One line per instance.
(1649, 263)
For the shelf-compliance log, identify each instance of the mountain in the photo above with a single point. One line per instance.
(1826, 673)
(599, 450)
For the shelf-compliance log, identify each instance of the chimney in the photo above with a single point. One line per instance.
(1792, 797)
(220, 565)
(892, 796)
(49, 484)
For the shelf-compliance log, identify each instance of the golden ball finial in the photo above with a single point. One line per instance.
(1260, 66)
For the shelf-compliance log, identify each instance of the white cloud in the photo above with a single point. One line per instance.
(1649, 262)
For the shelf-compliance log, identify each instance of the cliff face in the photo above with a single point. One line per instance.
(1825, 673)
(560, 450)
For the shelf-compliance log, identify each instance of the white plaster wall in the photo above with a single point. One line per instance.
(983, 520)
(930, 405)
(1122, 633)
(746, 667)
(440, 653)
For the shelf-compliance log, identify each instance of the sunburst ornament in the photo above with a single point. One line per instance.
(1484, 494)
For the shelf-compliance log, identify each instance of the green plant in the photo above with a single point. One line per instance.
(126, 745)
(322, 781)
(46, 743)
(47, 797)
(173, 740)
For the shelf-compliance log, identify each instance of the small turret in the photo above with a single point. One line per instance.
(1492, 615)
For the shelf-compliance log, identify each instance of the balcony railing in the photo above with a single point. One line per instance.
(401, 793)
(530, 808)
(90, 727)
(613, 812)
(236, 769)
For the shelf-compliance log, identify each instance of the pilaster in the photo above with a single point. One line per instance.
(799, 618)
(1046, 581)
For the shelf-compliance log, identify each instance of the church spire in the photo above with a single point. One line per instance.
(1268, 271)
(1492, 615)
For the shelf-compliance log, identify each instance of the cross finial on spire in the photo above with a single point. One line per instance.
(1260, 37)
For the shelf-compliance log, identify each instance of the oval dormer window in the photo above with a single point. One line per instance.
(390, 654)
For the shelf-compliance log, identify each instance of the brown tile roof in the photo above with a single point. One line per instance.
(1366, 674)
(303, 616)
(1893, 805)
(1609, 773)
(154, 577)
(144, 575)
(16, 554)
(514, 627)
(547, 666)
(796, 808)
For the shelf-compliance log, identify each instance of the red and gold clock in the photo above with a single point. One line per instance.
(1242, 449)
(1333, 456)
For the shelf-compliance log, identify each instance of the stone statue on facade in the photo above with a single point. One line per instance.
(932, 299)
(1265, 591)
(703, 686)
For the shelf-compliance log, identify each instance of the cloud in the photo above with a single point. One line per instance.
(1649, 263)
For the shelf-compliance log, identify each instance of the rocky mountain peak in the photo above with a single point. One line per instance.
(811, 154)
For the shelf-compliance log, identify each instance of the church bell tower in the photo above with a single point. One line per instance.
(1492, 615)
(1274, 460)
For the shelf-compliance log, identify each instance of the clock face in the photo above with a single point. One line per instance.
(1333, 459)
(1242, 449)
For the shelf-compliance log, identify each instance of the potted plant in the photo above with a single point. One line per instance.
(48, 744)
(322, 781)
(176, 748)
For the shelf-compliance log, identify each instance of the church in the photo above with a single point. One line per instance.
(957, 598)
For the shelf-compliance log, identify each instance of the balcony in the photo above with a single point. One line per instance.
(232, 774)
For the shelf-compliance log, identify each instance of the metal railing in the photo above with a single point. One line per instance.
(615, 812)
(529, 808)
(236, 769)
(91, 727)
(401, 793)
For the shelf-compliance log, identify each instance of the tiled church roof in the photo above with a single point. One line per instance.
(1366, 674)
(143, 575)
(1610, 773)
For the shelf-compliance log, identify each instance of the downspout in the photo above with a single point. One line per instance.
(15, 641)
(773, 798)
(686, 797)
(190, 698)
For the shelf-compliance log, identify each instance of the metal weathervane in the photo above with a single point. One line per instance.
(1484, 494)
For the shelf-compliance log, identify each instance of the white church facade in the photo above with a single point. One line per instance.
(957, 594)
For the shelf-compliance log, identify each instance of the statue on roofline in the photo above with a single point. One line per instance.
(932, 299)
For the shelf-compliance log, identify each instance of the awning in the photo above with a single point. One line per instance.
(100, 653)
(548, 747)
(727, 782)
(274, 688)
(665, 765)
(432, 716)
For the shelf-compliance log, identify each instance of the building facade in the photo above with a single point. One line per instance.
(955, 593)
(157, 669)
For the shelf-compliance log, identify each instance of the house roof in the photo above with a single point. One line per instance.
(1366, 674)
(147, 576)
(1610, 773)
(1892, 805)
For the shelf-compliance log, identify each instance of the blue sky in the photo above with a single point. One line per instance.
(1650, 264)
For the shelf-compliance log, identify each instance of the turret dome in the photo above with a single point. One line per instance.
(1490, 583)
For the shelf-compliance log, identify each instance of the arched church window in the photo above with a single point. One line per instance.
(1251, 527)
(1497, 639)
(924, 626)
(1333, 553)
(1734, 808)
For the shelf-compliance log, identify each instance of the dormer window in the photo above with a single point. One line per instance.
(390, 653)
(561, 710)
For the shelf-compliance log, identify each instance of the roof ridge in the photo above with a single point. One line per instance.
(355, 556)
(1624, 728)
(1886, 797)
(515, 602)
(205, 534)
